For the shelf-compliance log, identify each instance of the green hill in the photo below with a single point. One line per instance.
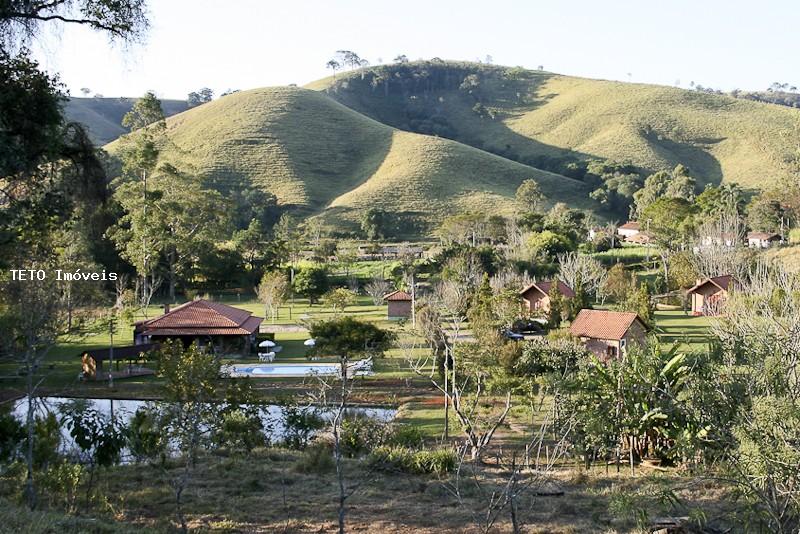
(320, 157)
(545, 119)
(103, 116)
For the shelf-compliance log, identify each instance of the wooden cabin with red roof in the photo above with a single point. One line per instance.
(227, 328)
(536, 297)
(608, 334)
(709, 295)
(398, 304)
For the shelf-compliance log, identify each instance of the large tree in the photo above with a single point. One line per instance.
(173, 222)
(529, 195)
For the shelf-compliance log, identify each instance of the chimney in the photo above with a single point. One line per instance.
(166, 308)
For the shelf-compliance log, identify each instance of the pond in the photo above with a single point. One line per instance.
(271, 414)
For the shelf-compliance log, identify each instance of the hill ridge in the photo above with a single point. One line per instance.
(546, 119)
(323, 158)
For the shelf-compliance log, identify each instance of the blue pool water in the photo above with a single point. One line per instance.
(293, 370)
(288, 370)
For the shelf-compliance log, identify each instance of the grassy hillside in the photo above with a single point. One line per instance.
(324, 158)
(540, 118)
(103, 116)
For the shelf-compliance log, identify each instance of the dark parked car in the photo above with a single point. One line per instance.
(510, 334)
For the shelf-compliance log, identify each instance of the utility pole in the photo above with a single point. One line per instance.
(111, 327)
(144, 241)
(413, 300)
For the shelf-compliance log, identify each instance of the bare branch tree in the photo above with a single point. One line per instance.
(580, 271)
(377, 288)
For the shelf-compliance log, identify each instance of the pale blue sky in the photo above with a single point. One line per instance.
(249, 43)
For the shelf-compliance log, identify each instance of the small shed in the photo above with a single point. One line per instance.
(92, 361)
(536, 297)
(608, 334)
(399, 305)
(762, 239)
(708, 296)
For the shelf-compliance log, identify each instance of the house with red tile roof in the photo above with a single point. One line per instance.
(708, 296)
(608, 334)
(628, 230)
(398, 304)
(536, 297)
(225, 327)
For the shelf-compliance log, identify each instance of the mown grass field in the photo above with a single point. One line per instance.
(535, 113)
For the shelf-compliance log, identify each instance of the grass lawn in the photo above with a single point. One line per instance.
(691, 332)
(391, 382)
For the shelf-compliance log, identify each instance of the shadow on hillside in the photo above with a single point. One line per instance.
(429, 98)
(706, 168)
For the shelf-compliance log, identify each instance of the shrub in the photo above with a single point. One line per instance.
(300, 424)
(12, 434)
(241, 432)
(407, 436)
(146, 441)
(360, 435)
(316, 458)
(438, 461)
(60, 483)
(540, 356)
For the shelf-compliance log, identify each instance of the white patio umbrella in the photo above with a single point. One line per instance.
(309, 342)
(267, 343)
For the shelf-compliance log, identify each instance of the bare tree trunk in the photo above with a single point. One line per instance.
(337, 450)
(30, 490)
(172, 275)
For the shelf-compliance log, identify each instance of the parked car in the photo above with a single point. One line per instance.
(510, 334)
(529, 326)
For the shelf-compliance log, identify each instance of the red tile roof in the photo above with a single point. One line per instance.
(631, 225)
(544, 287)
(397, 295)
(602, 324)
(723, 282)
(201, 317)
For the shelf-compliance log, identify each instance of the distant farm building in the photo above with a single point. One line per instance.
(93, 362)
(762, 239)
(709, 295)
(226, 328)
(608, 334)
(399, 305)
(536, 297)
(628, 230)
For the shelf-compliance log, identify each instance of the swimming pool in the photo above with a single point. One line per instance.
(360, 368)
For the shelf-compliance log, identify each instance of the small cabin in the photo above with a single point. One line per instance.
(708, 296)
(762, 239)
(608, 334)
(399, 305)
(536, 297)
